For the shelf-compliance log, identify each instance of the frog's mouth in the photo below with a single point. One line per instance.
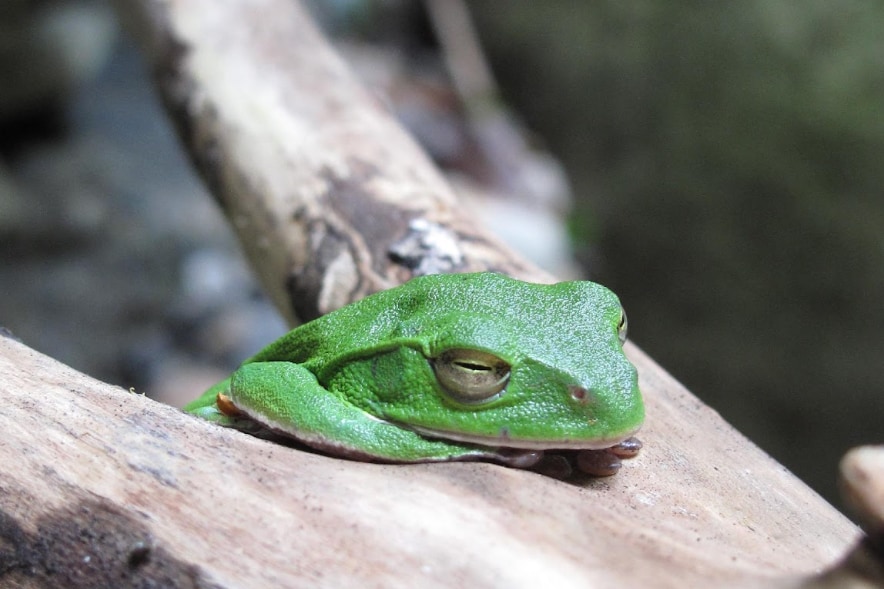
(556, 458)
(503, 440)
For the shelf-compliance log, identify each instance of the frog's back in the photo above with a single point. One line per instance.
(424, 303)
(362, 325)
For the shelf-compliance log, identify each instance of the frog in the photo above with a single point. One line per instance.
(449, 367)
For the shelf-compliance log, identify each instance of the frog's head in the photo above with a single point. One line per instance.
(515, 365)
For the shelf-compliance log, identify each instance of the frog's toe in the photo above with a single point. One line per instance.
(518, 458)
(628, 448)
(607, 462)
(555, 466)
(598, 463)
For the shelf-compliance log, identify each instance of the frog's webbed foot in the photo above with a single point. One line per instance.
(597, 463)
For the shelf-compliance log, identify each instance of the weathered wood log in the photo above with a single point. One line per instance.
(102, 487)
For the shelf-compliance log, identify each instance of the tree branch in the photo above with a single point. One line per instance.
(319, 182)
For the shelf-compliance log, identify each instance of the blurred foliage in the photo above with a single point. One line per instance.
(732, 156)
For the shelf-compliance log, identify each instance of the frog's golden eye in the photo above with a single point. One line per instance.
(471, 376)
(621, 328)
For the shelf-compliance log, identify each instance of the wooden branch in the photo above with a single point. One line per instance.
(101, 487)
(319, 182)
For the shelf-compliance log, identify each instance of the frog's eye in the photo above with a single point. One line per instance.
(471, 376)
(621, 328)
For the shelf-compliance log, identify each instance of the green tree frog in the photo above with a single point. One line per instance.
(449, 367)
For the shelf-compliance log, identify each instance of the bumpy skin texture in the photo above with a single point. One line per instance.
(360, 382)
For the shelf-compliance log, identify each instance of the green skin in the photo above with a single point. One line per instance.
(523, 367)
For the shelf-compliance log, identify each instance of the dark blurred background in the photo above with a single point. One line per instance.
(724, 163)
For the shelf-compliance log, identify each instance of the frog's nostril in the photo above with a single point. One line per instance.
(580, 394)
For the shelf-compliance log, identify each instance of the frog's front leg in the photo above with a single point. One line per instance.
(211, 407)
(286, 398)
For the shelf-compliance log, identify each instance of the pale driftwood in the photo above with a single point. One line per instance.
(862, 482)
(103, 486)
